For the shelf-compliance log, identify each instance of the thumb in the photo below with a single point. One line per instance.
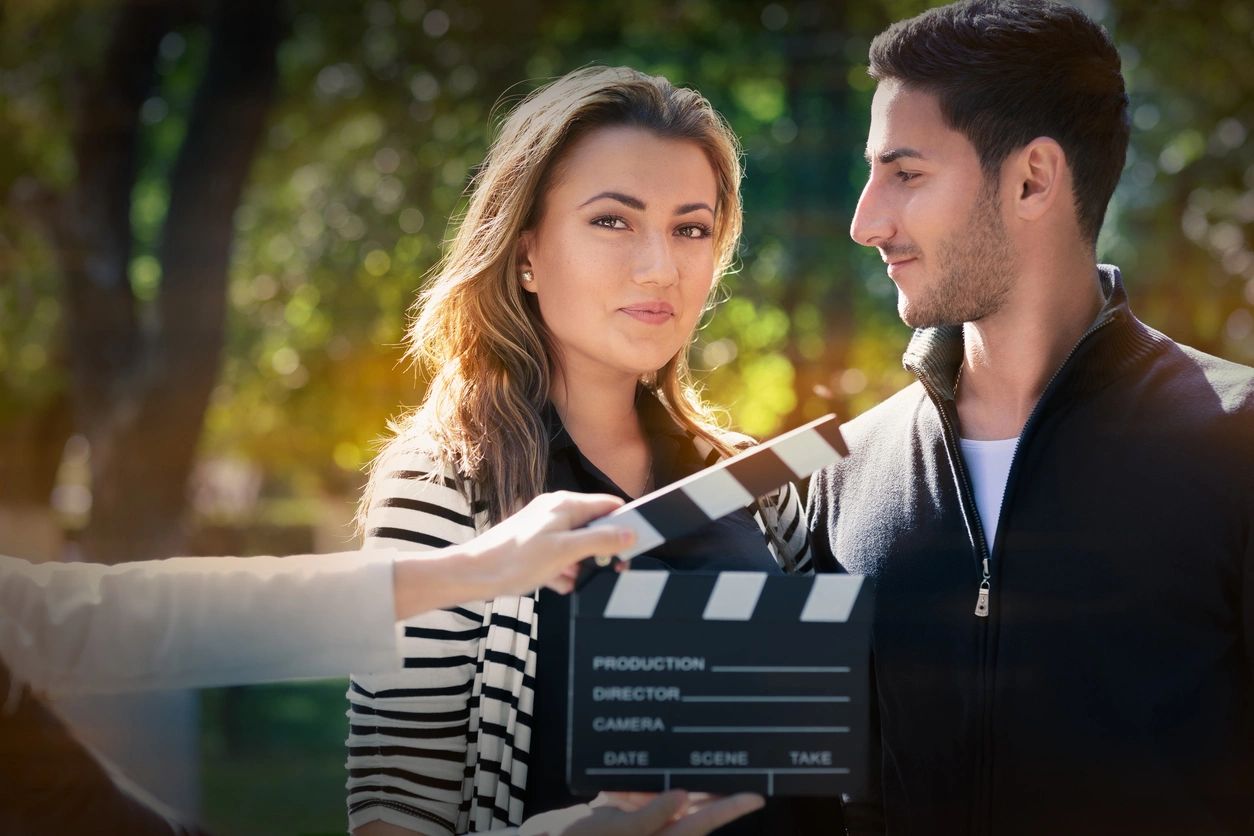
(658, 813)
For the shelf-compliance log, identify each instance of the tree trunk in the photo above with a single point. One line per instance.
(31, 445)
(141, 384)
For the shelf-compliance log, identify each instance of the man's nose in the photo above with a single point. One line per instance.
(872, 223)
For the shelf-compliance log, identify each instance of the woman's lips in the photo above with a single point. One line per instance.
(653, 313)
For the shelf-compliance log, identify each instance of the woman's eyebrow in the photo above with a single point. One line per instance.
(639, 205)
(625, 199)
(693, 207)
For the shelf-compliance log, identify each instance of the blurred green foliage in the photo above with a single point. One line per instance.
(387, 106)
(272, 759)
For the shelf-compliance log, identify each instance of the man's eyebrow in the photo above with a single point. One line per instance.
(887, 157)
(625, 199)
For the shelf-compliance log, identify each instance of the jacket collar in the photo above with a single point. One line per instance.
(934, 354)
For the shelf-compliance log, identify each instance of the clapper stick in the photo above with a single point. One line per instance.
(705, 496)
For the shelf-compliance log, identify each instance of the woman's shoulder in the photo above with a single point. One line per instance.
(416, 459)
(415, 496)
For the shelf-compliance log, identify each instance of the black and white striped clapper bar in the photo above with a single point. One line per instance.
(720, 682)
(716, 491)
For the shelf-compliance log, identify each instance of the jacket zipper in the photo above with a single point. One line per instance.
(973, 519)
(983, 593)
(984, 589)
(983, 597)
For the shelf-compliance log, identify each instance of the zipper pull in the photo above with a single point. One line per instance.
(981, 600)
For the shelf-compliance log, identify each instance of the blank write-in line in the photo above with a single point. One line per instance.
(628, 770)
(712, 698)
(777, 669)
(759, 729)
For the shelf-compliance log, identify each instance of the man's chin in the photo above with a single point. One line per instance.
(914, 317)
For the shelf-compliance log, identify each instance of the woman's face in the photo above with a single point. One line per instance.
(622, 257)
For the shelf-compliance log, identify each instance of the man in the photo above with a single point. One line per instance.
(1059, 514)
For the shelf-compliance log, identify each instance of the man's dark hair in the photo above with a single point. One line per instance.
(1008, 71)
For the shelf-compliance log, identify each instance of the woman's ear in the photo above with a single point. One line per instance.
(1042, 178)
(526, 273)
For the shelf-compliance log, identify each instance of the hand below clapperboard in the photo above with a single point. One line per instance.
(674, 813)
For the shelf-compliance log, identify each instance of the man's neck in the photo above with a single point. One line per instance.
(1009, 358)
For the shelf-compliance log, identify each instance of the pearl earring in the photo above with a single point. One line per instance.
(526, 276)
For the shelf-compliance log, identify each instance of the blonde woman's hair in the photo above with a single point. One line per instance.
(490, 355)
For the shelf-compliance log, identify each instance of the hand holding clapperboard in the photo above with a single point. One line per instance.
(719, 682)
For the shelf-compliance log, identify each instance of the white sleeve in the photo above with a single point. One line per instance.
(194, 622)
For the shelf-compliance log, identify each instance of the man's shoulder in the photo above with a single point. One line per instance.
(876, 437)
(897, 410)
(1180, 392)
(1197, 392)
(1232, 383)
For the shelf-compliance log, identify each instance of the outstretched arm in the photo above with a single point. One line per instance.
(209, 621)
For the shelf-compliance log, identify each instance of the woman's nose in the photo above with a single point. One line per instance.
(655, 262)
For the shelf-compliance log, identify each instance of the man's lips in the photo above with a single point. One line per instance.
(651, 313)
(896, 265)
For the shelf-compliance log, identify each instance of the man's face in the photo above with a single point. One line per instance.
(932, 214)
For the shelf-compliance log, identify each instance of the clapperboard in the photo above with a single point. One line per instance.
(720, 682)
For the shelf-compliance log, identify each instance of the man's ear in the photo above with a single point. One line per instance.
(1041, 178)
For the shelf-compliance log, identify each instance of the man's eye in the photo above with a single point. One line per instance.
(610, 222)
(694, 231)
(907, 176)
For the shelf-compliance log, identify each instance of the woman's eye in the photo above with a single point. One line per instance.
(610, 222)
(693, 231)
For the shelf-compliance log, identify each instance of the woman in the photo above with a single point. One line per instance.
(557, 326)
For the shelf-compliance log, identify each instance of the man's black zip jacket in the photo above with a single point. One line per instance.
(1110, 689)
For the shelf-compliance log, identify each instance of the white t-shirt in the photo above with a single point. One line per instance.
(988, 464)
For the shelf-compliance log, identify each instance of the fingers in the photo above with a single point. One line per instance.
(580, 509)
(562, 585)
(716, 814)
(628, 801)
(610, 540)
(572, 546)
(697, 800)
(652, 817)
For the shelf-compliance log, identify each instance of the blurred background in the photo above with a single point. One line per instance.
(214, 215)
